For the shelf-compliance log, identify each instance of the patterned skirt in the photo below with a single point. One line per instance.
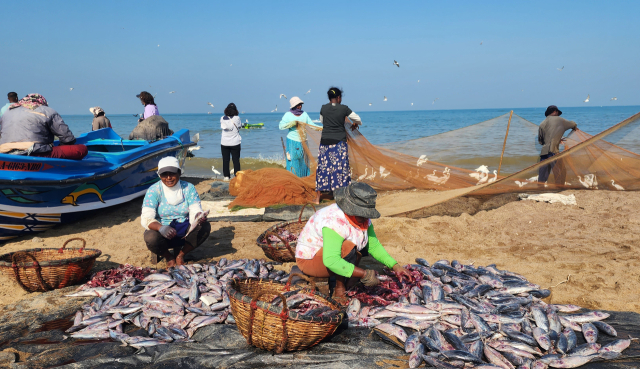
(298, 163)
(333, 167)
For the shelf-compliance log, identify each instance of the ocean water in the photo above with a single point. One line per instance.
(263, 147)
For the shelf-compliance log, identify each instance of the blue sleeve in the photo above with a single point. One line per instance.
(310, 122)
(286, 123)
(152, 197)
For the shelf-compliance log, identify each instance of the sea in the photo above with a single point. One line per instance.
(262, 147)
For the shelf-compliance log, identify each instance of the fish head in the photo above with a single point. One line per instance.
(69, 200)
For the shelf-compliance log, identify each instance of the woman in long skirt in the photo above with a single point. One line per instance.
(296, 158)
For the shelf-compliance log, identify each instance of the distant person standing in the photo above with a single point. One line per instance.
(333, 157)
(230, 140)
(550, 136)
(296, 159)
(150, 108)
(13, 98)
(99, 119)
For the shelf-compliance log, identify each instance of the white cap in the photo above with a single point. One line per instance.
(295, 101)
(168, 164)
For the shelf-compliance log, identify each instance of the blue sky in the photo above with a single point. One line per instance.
(249, 52)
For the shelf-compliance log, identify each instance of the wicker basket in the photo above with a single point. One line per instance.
(40, 270)
(282, 251)
(274, 328)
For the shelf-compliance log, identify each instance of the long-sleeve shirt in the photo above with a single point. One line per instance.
(155, 207)
(150, 110)
(39, 125)
(333, 117)
(230, 130)
(550, 133)
(100, 122)
(332, 248)
(289, 122)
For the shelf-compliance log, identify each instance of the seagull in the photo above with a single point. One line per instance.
(560, 69)
(208, 103)
(385, 99)
(283, 95)
(158, 45)
(614, 98)
(434, 101)
(231, 65)
(213, 169)
(396, 64)
(71, 89)
(135, 115)
(307, 92)
(480, 42)
(418, 81)
(411, 104)
(276, 109)
(587, 100)
(172, 92)
(369, 104)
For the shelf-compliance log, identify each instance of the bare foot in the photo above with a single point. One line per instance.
(171, 263)
(180, 259)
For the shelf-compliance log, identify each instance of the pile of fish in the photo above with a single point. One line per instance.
(482, 317)
(284, 235)
(111, 276)
(170, 305)
(391, 288)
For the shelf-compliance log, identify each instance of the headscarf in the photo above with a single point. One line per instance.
(31, 101)
(296, 112)
(96, 110)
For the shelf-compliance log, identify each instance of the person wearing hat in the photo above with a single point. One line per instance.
(550, 136)
(337, 236)
(230, 140)
(150, 107)
(296, 158)
(169, 209)
(99, 119)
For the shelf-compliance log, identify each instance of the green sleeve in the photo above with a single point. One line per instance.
(332, 253)
(377, 251)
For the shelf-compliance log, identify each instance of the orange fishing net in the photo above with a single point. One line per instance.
(271, 186)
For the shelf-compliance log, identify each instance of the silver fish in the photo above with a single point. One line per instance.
(158, 277)
(590, 332)
(615, 346)
(571, 361)
(353, 309)
(412, 343)
(605, 328)
(587, 317)
(415, 359)
(393, 330)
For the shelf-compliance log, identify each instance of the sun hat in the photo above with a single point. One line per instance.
(169, 164)
(295, 101)
(96, 110)
(357, 199)
(551, 109)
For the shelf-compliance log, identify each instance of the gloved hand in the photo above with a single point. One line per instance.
(401, 272)
(370, 279)
(167, 232)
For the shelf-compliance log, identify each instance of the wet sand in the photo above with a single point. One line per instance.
(597, 243)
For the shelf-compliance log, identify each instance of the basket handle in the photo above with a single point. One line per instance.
(286, 244)
(302, 211)
(288, 285)
(284, 316)
(38, 268)
(84, 243)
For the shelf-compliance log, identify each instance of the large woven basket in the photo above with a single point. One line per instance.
(275, 328)
(40, 270)
(282, 251)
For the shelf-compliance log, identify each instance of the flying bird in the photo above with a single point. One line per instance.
(480, 42)
(418, 81)
(307, 92)
(434, 100)
(158, 45)
(396, 64)
(276, 109)
(283, 95)
(614, 98)
(231, 65)
(172, 92)
(369, 104)
(385, 99)
(587, 100)
(71, 89)
(210, 104)
(411, 104)
(560, 69)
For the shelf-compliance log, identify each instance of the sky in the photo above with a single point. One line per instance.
(467, 54)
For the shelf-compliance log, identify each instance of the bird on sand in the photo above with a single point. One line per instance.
(396, 64)
(172, 92)
(307, 92)
(283, 95)
(617, 186)
(385, 99)
(614, 98)
(213, 169)
(587, 99)
(560, 69)
(434, 100)
(208, 103)
(71, 89)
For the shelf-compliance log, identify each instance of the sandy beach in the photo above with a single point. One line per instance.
(595, 245)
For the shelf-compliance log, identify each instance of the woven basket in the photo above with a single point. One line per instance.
(40, 270)
(274, 328)
(282, 251)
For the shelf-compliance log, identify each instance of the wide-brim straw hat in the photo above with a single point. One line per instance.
(357, 199)
(96, 110)
(295, 101)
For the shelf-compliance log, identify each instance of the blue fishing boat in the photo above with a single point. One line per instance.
(39, 193)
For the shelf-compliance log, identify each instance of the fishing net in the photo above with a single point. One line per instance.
(270, 186)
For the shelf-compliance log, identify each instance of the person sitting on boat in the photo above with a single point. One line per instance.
(29, 127)
(296, 162)
(13, 98)
(150, 107)
(337, 236)
(169, 209)
(99, 119)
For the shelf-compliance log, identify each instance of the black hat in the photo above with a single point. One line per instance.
(551, 109)
(357, 199)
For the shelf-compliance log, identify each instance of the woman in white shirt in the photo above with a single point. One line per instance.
(230, 142)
